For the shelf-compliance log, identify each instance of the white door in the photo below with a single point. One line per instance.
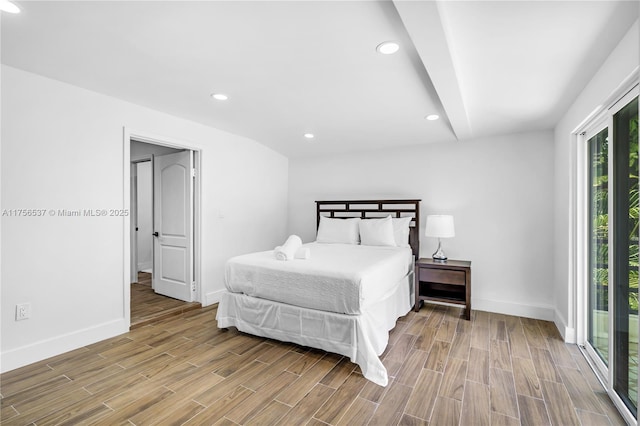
(173, 225)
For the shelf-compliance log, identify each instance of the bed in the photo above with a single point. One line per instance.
(343, 299)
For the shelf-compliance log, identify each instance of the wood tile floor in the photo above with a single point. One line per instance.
(147, 306)
(494, 369)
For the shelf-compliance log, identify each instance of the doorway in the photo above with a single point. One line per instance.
(163, 257)
(142, 216)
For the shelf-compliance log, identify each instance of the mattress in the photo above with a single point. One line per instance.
(340, 278)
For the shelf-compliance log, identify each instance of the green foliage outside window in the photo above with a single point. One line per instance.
(600, 219)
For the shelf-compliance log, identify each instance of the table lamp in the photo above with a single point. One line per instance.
(439, 226)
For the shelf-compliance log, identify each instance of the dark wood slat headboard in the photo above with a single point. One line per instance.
(369, 209)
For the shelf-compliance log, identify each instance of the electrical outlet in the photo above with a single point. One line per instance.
(23, 311)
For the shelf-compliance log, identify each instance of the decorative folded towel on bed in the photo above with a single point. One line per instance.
(288, 250)
(303, 253)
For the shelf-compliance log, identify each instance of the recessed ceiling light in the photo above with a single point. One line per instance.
(432, 117)
(7, 6)
(309, 135)
(388, 47)
(219, 96)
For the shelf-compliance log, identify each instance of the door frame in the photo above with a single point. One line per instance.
(130, 135)
(596, 124)
(134, 212)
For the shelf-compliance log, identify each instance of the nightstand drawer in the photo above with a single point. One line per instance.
(444, 276)
(448, 282)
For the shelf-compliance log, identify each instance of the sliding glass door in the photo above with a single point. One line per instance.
(612, 254)
(598, 294)
(625, 224)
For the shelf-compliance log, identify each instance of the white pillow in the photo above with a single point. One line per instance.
(377, 232)
(401, 230)
(338, 230)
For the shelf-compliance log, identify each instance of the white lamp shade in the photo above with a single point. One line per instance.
(7, 6)
(440, 226)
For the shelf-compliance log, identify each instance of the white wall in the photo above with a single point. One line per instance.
(500, 191)
(620, 63)
(62, 148)
(145, 215)
(141, 150)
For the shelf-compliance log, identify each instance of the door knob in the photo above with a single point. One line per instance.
(155, 234)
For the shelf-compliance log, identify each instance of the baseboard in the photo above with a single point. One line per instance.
(568, 333)
(212, 297)
(34, 352)
(543, 312)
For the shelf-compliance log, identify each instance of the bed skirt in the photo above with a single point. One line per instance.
(362, 338)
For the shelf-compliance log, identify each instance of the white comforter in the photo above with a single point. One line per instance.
(342, 278)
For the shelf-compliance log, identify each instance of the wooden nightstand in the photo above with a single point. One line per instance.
(448, 282)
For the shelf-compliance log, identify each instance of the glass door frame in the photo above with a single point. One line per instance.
(595, 124)
(599, 124)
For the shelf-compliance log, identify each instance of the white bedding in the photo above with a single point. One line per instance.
(362, 337)
(341, 278)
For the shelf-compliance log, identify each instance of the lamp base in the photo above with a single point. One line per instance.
(439, 255)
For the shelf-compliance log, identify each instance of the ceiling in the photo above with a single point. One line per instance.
(296, 67)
